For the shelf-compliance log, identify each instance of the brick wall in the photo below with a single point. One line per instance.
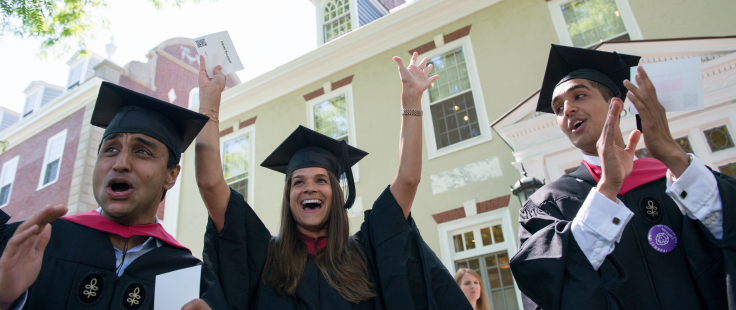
(24, 198)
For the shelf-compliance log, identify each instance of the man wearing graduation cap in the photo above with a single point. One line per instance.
(622, 232)
(108, 258)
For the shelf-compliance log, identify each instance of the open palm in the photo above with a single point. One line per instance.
(415, 78)
(616, 161)
(21, 261)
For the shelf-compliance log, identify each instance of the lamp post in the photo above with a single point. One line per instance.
(525, 187)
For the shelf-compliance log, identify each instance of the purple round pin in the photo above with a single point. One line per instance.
(662, 238)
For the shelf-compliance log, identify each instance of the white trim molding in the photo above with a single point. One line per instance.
(558, 20)
(61, 136)
(475, 88)
(13, 162)
(250, 131)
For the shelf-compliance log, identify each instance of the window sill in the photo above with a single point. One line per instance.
(5, 205)
(47, 184)
(459, 146)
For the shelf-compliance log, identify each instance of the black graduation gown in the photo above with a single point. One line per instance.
(553, 273)
(404, 271)
(78, 271)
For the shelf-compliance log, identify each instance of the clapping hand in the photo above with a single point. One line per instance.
(658, 141)
(616, 162)
(21, 261)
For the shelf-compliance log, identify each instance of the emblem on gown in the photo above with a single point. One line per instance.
(134, 296)
(90, 289)
(662, 238)
(650, 208)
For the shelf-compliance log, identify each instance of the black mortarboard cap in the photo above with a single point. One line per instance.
(306, 148)
(567, 63)
(121, 110)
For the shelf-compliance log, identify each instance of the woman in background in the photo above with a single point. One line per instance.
(472, 286)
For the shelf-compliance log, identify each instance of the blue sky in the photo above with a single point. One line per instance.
(266, 34)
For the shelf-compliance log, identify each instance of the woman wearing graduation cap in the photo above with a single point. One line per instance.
(313, 262)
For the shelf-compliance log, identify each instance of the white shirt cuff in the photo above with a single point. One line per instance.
(598, 225)
(696, 194)
(20, 302)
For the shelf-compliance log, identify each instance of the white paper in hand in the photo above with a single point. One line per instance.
(679, 83)
(175, 289)
(218, 49)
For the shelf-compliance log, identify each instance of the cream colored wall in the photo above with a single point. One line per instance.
(662, 19)
(510, 41)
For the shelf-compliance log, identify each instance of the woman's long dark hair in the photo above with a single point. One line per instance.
(342, 262)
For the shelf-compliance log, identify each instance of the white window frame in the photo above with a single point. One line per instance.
(171, 204)
(487, 219)
(627, 15)
(35, 105)
(354, 23)
(250, 130)
(346, 90)
(15, 160)
(480, 105)
(61, 135)
(194, 93)
(82, 65)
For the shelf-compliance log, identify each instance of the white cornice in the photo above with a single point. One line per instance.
(54, 111)
(387, 32)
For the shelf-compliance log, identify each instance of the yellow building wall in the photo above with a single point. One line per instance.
(665, 19)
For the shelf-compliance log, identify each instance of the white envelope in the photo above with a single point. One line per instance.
(176, 288)
(218, 49)
(679, 83)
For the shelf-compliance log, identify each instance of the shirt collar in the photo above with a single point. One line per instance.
(595, 160)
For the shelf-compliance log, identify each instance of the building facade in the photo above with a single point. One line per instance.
(51, 148)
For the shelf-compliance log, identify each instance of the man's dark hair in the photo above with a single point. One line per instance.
(605, 91)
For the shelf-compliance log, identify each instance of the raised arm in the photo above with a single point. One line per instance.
(210, 180)
(414, 81)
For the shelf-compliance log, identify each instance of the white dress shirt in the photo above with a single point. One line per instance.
(695, 193)
(130, 255)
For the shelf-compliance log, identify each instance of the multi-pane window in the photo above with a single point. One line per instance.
(236, 162)
(718, 138)
(729, 169)
(74, 76)
(497, 279)
(30, 104)
(6, 180)
(337, 19)
(488, 236)
(331, 119)
(592, 21)
(454, 116)
(52, 159)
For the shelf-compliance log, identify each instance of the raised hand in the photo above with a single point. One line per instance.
(658, 140)
(21, 261)
(616, 162)
(414, 78)
(210, 89)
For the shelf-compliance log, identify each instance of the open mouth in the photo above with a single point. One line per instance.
(576, 125)
(312, 205)
(119, 188)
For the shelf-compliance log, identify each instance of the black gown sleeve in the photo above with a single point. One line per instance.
(407, 273)
(5, 234)
(238, 252)
(550, 268)
(727, 191)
